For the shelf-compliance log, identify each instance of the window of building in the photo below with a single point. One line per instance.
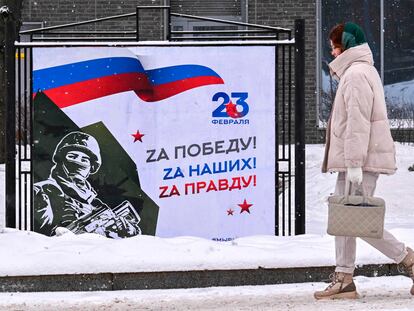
(231, 10)
(399, 62)
(393, 51)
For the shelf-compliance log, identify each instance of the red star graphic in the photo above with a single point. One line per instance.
(230, 212)
(232, 110)
(245, 207)
(138, 136)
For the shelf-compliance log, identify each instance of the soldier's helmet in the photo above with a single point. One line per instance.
(79, 141)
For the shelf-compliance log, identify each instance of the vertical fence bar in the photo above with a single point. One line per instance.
(277, 205)
(283, 184)
(10, 102)
(281, 137)
(283, 102)
(23, 207)
(25, 108)
(290, 136)
(299, 126)
(19, 132)
(30, 55)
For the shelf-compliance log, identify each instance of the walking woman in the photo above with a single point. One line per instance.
(359, 147)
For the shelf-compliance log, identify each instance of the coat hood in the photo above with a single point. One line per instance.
(358, 54)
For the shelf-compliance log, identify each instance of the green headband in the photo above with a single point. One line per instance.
(352, 36)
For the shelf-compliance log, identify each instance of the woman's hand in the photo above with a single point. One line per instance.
(354, 174)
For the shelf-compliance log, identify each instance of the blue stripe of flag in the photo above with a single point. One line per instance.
(48, 78)
(175, 73)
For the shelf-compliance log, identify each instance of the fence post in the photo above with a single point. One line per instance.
(300, 126)
(10, 103)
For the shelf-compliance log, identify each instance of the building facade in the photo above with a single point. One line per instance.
(386, 23)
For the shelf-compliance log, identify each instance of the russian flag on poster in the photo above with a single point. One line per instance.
(78, 82)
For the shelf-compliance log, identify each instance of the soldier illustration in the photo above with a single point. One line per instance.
(67, 199)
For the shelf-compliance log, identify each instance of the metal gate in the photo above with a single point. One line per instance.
(289, 105)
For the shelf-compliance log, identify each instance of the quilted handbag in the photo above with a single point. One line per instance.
(356, 215)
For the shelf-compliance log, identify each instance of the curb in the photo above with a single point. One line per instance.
(179, 279)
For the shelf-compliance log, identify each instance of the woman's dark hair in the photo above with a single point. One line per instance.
(335, 35)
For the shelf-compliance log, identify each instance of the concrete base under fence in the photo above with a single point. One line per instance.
(178, 279)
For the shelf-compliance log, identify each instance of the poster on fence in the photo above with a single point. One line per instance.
(162, 140)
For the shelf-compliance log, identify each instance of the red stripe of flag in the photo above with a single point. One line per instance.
(76, 93)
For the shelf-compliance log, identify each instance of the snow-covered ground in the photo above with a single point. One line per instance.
(402, 92)
(28, 253)
(381, 293)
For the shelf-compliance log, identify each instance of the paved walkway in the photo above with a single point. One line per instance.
(381, 293)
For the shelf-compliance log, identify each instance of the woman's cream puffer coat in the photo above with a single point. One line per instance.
(358, 132)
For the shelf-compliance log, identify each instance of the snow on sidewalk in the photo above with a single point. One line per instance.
(380, 293)
(29, 253)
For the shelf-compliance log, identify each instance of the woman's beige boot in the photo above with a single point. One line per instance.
(341, 287)
(408, 263)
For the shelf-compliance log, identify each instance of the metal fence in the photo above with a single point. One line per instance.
(289, 105)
